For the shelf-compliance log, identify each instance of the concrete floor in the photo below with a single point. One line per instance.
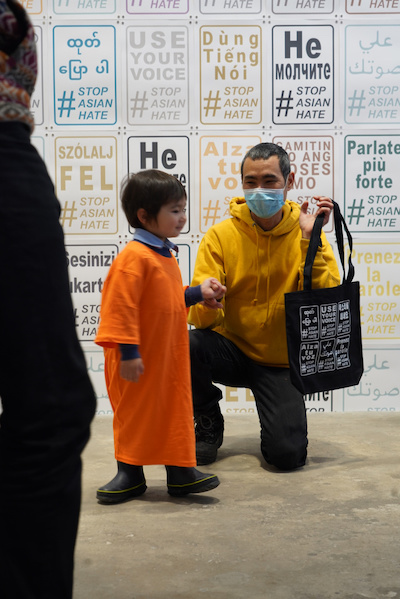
(328, 531)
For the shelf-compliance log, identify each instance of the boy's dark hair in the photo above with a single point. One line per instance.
(264, 151)
(150, 189)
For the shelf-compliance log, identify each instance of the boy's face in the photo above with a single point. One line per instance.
(170, 220)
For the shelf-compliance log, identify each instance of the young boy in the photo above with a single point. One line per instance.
(143, 331)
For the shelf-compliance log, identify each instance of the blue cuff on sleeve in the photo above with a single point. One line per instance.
(129, 352)
(193, 295)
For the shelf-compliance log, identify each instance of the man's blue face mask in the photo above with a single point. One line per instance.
(264, 202)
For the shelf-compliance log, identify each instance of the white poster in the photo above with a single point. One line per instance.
(84, 75)
(303, 75)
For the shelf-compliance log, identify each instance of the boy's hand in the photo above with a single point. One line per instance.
(212, 291)
(131, 370)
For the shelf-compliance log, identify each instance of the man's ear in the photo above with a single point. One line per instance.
(142, 216)
(290, 181)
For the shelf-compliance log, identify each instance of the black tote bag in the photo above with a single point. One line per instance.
(323, 326)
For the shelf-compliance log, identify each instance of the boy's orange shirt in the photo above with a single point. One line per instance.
(143, 304)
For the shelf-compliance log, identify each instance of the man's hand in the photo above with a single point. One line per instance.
(131, 370)
(306, 221)
(212, 291)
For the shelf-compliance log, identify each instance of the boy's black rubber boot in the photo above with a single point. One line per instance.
(129, 482)
(209, 429)
(182, 481)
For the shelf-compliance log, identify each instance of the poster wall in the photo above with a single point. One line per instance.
(188, 86)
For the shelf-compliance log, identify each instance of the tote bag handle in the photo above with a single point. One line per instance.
(314, 243)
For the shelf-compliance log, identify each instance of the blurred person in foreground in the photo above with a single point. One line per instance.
(47, 400)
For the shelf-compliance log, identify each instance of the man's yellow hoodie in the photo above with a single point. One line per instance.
(258, 267)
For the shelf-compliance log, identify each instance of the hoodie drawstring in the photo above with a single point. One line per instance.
(255, 300)
(268, 277)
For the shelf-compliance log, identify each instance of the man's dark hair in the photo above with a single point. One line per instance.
(264, 151)
(150, 189)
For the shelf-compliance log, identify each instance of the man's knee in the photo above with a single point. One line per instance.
(284, 456)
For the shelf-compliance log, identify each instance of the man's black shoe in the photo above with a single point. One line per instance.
(209, 431)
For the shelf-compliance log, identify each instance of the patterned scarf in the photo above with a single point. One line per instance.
(18, 63)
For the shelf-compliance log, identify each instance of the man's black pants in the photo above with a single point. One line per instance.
(46, 395)
(279, 405)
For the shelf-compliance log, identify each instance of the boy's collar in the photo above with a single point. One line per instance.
(151, 239)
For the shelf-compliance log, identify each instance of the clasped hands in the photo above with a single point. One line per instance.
(212, 291)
